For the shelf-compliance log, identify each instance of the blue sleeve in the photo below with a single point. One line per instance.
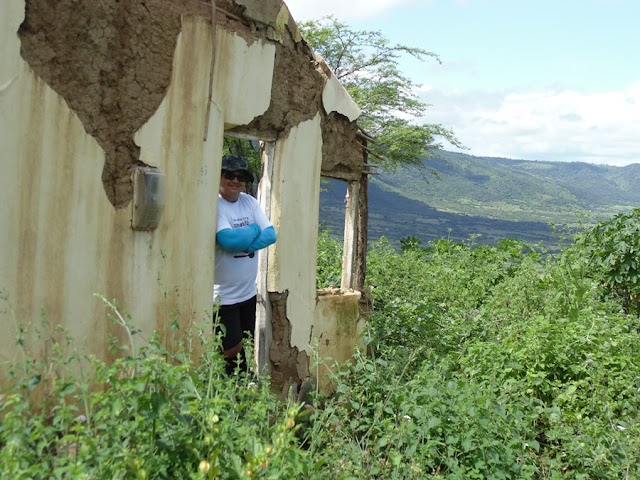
(266, 238)
(237, 239)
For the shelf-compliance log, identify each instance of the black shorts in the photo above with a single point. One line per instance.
(237, 319)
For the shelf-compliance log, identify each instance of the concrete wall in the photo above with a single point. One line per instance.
(64, 241)
(58, 233)
(334, 332)
(295, 209)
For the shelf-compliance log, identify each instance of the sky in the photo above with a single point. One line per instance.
(554, 80)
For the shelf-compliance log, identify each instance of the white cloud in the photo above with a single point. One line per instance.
(557, 125)
(343, 9)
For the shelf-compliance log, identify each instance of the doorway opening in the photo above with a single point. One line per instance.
(259, 154)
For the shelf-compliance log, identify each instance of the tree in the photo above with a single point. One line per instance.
(366, 64)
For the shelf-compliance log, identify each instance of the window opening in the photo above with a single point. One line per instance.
(337, 238)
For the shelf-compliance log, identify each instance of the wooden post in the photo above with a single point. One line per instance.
(363, 216)
(211, 67)
(350, 236)
(262, 337)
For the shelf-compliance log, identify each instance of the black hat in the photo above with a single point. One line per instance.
(235, 162)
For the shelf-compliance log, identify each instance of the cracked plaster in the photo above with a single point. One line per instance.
(112, 63)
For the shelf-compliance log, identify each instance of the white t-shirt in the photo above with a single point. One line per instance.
(235, 272)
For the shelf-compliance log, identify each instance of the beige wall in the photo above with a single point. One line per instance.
(294, 212)
(336, 99)
(63, 241)
(322, 325)
(335, 333)
(242, 78)
(182, 248)
(57, 228)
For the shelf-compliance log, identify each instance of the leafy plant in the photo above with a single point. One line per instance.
(329, 265)
(613, 250)
(147, 414)
(366, 63)
(488, 362)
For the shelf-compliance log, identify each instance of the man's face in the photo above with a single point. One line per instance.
(231, 184)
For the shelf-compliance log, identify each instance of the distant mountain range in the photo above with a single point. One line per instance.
(457, 195)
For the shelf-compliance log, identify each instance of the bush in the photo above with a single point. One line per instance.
(431, 296)
(410, 418)
(531, 332)
(146, 415)
(613, 251)
(329, 265)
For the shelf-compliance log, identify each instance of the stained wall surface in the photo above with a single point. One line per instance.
(295, 210)
(58, 234)
(64, 240)
(335, 334)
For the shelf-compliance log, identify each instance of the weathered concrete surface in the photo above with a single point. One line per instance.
(336, 331)
(275, 14)
(50, 167)
(111, 62)
(295, 213)
(288, 363)
(302, 83)
(336, 99)
(178, 257)
(66, 241)
(250, 80)
(11, 13)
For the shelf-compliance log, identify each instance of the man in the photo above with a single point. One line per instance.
(243, 229)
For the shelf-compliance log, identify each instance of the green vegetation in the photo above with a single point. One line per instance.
(484, 361)
(496, 362)
(613, 248)
(522, 190)
(492, 197)
(150, 414)
(367, 65)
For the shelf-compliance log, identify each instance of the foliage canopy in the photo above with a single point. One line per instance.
(367, 64)
(613, 250)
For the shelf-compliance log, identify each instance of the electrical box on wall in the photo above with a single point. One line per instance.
(149, 197)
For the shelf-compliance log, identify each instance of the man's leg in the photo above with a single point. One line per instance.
(248, 324)
(229, 317)
(237, 319)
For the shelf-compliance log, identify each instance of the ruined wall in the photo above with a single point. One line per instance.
(334, 331)
(304, 86)
(52, 224)
(89, 90)
(65, 239)
(111, 62)
(292, 260)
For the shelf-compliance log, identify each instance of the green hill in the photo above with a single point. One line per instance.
(458, 195)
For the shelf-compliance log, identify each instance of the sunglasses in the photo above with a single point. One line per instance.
(241, 176)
